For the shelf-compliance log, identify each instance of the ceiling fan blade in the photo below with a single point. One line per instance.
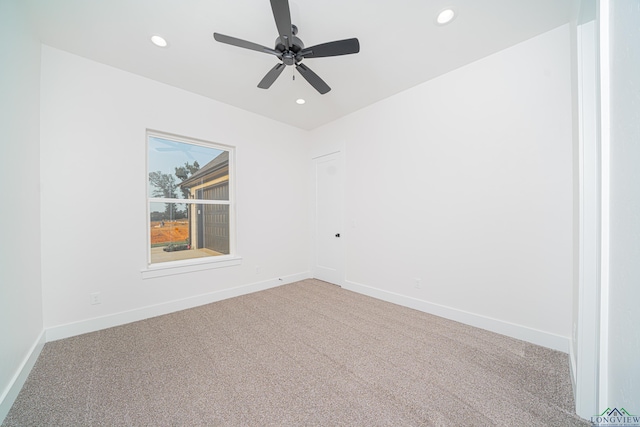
(336, 48)
(313, 79)
(245, 44)
(271, 76)
(282, 16)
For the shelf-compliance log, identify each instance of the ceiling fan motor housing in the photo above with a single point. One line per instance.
(289, 57)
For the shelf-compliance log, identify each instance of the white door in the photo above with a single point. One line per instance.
(328, 239)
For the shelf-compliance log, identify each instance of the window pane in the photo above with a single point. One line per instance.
(179, 170)
(186, 231)
(169, 224)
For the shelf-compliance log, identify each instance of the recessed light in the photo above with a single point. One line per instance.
(300, 101)
(158, 41)
(445, 16)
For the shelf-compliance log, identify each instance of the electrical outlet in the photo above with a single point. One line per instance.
(95, 298)
(257, 269)
(418, 284)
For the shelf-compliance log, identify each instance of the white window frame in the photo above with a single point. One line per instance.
(195, 264)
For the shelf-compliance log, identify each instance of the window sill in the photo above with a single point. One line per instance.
(180, 267)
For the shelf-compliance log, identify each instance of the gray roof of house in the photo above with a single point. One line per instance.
(219, 162)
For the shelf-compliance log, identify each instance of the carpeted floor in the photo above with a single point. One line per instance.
(304, 354)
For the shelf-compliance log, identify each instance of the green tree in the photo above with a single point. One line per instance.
(164, 185)
(184, 172)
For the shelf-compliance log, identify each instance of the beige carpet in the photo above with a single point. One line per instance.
(304, 354)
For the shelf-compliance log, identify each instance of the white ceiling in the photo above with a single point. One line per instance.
(400, 45)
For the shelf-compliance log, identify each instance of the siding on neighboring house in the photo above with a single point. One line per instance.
(209, 224)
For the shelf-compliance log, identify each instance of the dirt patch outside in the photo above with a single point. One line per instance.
(169, 232)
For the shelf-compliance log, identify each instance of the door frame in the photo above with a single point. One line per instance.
(590, 373)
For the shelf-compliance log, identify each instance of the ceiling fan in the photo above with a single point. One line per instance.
(290, 49)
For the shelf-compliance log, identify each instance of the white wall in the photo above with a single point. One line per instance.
(93, 155)
(466, 183)
(20, 288)
(624, 246)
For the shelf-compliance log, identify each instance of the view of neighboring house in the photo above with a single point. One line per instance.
(209, 223)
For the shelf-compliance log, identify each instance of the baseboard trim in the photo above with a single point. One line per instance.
(10, 394)
(98, 323)
(534, 336)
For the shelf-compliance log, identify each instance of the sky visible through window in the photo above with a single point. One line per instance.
(166, 155)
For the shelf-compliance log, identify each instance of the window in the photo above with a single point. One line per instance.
(190, 200)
